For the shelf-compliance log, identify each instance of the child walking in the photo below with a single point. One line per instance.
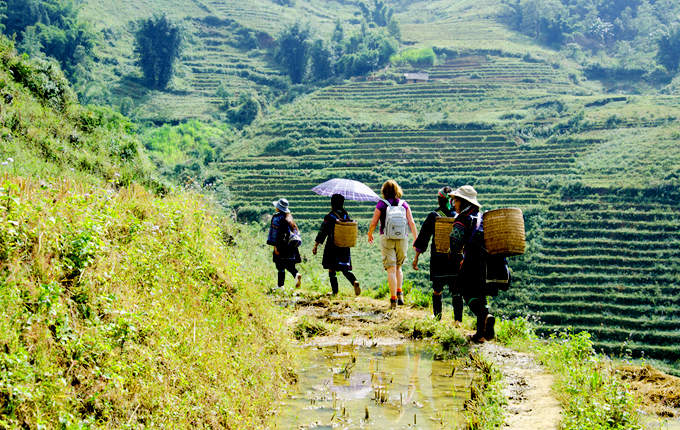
(285, 256)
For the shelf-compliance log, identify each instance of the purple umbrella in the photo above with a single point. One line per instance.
(350, 190)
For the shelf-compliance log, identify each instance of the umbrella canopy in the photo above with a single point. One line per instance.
(348, 188)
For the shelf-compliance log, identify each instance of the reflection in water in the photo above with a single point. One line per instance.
(399, 387)
(672, 424)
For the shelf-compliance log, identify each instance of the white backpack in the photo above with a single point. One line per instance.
(396, 223)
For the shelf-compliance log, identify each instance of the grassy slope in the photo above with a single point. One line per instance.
(583, 154)
(207, 60)
(119, 308)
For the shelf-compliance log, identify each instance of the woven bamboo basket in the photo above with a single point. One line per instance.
(345, 233)
(504, 231)
(442, 231)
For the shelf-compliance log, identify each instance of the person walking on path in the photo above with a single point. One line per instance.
(442, 270)
(467, 236)
(285, 256)
(394, 216)
(335, 258)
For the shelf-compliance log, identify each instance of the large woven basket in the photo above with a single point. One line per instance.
(345, 233)
(442, 231)
(504, 231)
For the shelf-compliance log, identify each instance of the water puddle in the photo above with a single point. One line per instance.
(672, 424)
(406, 386)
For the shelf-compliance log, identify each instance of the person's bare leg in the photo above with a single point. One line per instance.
(392, 280)
(400, 284)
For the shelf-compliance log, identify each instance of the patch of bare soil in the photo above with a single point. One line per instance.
(531, 404)
(360, 321)
(660, 392)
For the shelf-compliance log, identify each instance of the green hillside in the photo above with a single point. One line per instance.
(122, 303)
(596, 176)
(571, 116)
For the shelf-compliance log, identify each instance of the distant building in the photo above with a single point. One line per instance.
(416, 78)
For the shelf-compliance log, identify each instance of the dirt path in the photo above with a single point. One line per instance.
(531, 404)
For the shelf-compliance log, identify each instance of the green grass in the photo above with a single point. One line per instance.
(587, 384)
(137, 306)
(120, 308)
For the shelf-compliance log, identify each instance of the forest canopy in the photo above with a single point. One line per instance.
(50, 28)
(628, 30)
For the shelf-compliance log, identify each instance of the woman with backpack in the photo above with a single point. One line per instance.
(335, 258)
(441, 271)
(467, 236)
(286, 254)
(395, 219)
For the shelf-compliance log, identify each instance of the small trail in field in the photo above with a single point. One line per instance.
(531, 403)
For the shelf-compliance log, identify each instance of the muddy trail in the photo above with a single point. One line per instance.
(324, 321)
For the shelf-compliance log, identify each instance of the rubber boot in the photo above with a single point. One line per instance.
(458, 304)
(489, 332)
(479, 336)
(281, 278)
(437, 306)
(334, 283)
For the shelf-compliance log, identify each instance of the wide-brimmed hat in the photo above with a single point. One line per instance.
(282, 205)
(466, 192)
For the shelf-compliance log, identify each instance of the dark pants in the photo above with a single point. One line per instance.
(334, 279)
(457, 302)
(282, 266)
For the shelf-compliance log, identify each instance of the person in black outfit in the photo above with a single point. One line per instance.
(441, 269)
(285, 256)
(335, 258)
(467, 235)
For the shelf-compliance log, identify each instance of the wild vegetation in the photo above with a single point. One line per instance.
(568, 110)
(120, 307)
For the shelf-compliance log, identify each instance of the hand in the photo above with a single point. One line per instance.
(370, 238)
(276, 251)
(314, 250)
(415, 264)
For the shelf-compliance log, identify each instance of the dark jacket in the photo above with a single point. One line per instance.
(334, 257)
(439, 262)
(468, 235)
(279, 234)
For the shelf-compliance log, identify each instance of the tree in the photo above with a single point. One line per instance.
(293, 50)
(50, 27)
(3, 17)
(321, 67)
(338, 32)
(158, 41)
(537, 15)
(246, 112)
(669, 49)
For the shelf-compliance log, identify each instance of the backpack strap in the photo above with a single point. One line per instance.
(440, 213)
(337, 216)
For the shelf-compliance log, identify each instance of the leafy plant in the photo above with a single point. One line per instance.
(157, 44)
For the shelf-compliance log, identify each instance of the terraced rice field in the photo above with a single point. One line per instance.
(438, 157)
(611, 267)
(596, 259)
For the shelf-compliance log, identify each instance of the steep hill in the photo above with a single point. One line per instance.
(596, 174)
(118, 307)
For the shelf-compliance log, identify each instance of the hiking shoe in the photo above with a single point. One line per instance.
(357, 288)
(400, 298)
(476, 338)
(298, 280)
(489, 333)
(393, 304)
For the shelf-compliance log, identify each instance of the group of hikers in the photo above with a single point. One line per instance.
(462, 268)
